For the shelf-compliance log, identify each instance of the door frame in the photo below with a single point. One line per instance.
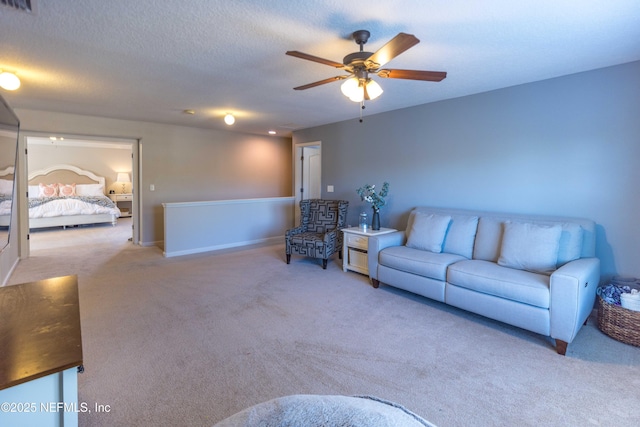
(23, 220)
(297, 173)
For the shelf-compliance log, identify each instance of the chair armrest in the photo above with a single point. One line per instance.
(378, 243)
(572, 296)
(292, 231)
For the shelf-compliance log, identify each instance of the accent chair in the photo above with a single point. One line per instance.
(318, 235)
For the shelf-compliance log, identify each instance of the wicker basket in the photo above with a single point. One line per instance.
(619, 323)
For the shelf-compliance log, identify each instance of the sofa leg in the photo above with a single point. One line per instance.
(561, 347)
(324, 264)
(339, 254)
(375, 283)
(288, 258)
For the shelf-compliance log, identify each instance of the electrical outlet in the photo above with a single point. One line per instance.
(152, 187)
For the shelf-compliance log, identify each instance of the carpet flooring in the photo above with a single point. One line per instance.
(191, 340)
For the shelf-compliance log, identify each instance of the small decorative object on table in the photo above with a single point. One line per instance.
(368, 194)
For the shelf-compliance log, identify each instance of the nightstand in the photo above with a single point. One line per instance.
(356, 246)
(123, 202)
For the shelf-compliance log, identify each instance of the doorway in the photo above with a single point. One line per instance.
(104, 157)
(307, 173)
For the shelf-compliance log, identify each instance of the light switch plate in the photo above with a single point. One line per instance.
(329, 188)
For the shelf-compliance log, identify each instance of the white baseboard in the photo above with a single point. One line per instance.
(268, 240)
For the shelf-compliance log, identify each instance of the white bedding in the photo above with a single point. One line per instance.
(65, 206)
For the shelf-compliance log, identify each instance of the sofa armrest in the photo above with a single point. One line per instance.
(378, 243)
(572, 296)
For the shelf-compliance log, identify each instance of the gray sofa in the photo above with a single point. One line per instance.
(535, 272)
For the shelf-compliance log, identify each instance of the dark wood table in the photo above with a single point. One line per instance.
(39, 330)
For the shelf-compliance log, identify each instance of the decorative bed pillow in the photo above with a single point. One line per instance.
(48, 190)
(34, 191)
(6, 187)
(90, 190)
(427, 231)
(530, 247)
(66, 190)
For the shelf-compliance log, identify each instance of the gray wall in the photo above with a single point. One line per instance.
(567, 146)
(184, 164)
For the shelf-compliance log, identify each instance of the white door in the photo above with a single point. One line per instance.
(307, 173)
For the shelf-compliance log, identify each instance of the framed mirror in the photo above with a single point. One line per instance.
(9, 129)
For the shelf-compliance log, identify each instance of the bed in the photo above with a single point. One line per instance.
(65, 195)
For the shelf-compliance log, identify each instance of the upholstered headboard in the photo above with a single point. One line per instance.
(65, 174)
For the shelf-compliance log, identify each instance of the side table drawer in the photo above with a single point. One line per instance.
(357, 241)
(124, 197)
(358, 259)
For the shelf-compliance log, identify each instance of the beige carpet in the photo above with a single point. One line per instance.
(192, 340)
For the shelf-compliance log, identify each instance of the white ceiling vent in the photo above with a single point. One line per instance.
(19, 5)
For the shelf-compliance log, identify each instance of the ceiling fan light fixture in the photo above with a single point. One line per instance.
(350, 87)
(229, 119)
(9, 81)
(373, 89)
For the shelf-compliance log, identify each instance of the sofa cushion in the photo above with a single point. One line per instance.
(427, 231)
(417, 261)
(531, 247)
(461, 235)
(488, 239)
(504, 282)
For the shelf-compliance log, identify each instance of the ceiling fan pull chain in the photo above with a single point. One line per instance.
(361, 108)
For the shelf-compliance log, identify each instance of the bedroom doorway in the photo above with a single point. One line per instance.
(95, 161)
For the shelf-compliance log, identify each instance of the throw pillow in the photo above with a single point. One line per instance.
(531, 247)
(461, 236)
(427, 231)
(570, 243)
(48, 190)
(67, 190)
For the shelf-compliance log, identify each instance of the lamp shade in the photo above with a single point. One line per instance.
(373, 89)
(123, 177)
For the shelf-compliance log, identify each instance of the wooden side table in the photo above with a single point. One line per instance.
(356, 246)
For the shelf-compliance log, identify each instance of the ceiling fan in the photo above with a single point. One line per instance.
(359, 86)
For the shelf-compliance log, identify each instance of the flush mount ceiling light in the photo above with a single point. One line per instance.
(229, 119)
(9, 81)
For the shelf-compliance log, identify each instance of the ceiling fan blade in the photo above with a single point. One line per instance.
(308, 57)
(393, 48)
(430, 76)
(321, 82)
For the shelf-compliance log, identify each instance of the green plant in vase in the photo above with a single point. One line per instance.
(368, 194)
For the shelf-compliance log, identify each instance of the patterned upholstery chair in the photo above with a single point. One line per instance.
(319, 234)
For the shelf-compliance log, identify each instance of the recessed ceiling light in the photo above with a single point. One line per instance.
(189, 112)
(272, 132)
(229, 119)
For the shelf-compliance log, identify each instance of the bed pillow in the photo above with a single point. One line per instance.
(34, 191)
(530, 247)
(427, 231)
(6, 187)
(48, 190)
(90, 190)
(67, 190)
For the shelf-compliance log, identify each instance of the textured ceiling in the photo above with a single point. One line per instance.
(151, 59)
